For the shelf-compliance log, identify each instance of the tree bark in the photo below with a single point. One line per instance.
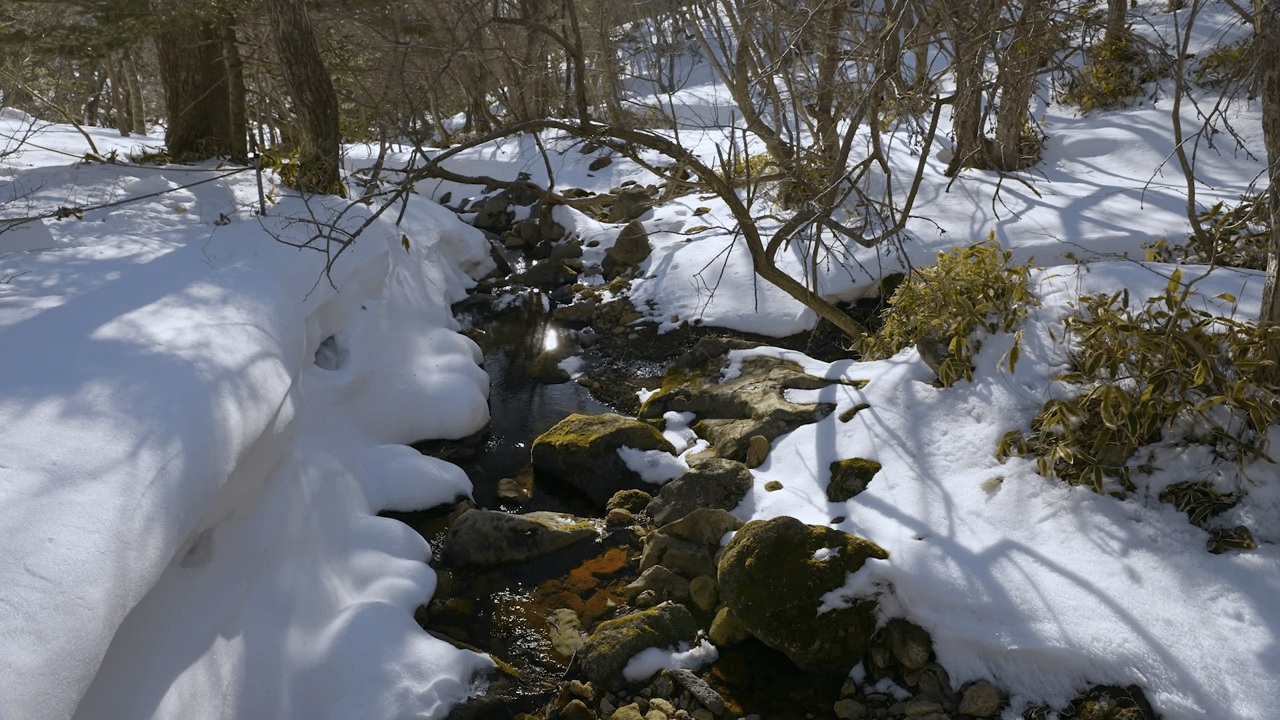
(237, 113)
(315, 104)
(1017, 84)
(195, 88)
(1267, 44)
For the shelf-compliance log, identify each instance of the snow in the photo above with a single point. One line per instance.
(645, 663)
(198, 430)
(653, 466)
(187, 503)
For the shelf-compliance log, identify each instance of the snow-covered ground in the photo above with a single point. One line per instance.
(197, 431)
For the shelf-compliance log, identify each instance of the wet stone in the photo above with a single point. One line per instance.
(664, 584)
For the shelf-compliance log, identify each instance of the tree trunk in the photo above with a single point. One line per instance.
(1267, 46)
(237, 114)
(315, 104)
(969, 148)
(195, 89)
(137, 105)
(1117, 14)
(1017, 84)
(117, 104)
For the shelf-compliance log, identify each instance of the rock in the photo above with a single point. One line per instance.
(628, 251)
(688, 546)
(577, 710)
(731, 412)
(773, 575)
(618, 517)
(909, 643)
(516, 490)
(495, 214)
(921, 707)
(629, 205)
(981, 699)
(850, 477)
(582, 450)
(700, 690)
(579, 312)
(714, 483)
(757, 450)
(935, 683)
(586, 691)
(665, 584)
(661, 705)
(600, 163)
(491, 537)
(547, 274)
(627, 712)
(633, 501)
(615, 641)
(565, 632)
(546, 369)
(702, 591)
(726, 629)
(772, 486)
(849, 709)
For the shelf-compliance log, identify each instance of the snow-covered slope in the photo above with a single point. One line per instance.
(187, 499)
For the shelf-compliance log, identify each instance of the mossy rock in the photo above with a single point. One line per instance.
(582, 450)
(850, 477)
(492, 537)
(774, 574)
(713, 483)
(615, 641)
(731, 412)
(633, 501)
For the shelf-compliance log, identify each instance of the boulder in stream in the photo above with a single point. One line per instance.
(688, 546)
(615, 641)
(773, 576)
(732, 412)
(715, 483)
(582, 450)
(492, 537)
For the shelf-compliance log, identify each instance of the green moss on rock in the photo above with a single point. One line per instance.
(615, 641)
(850, 477)
(582, 450)
(774, 574)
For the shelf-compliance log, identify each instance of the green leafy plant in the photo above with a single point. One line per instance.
(1236, 235)
(1168, 370)
(968, 289)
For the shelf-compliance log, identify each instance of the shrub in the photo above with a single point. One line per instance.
(968, 289)
(1168, 370)
(1115, 72)
(1238, 236)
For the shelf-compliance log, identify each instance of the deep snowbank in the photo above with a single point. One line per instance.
(187, 501)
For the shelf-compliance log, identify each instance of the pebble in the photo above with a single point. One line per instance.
(662, 706)
(576, 710)
(981, 699)
(586, 691)
(849, 709)
(921, 707)
(772, 486)
(627, 712)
